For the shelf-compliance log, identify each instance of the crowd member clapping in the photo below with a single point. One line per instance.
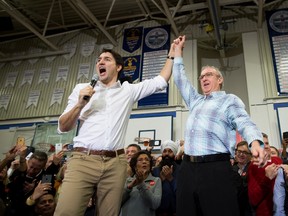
(167, 171)
(142, 191)
(261, 182)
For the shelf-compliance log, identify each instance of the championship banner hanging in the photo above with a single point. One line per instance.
(132, 39)
(4, 101)
(131, 68)
(155, 49)
(277, 22)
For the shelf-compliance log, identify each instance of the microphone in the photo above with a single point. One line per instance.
(93, 82)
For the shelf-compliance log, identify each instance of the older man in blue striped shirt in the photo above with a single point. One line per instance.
(205, 186)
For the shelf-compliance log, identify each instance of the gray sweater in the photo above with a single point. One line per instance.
(143, 199)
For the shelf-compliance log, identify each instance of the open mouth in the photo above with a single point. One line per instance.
(102, 70)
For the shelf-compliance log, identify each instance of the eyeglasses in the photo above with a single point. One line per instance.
(208, 74)
(242, 152)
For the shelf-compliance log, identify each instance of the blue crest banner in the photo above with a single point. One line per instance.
(132, 39)
(277, 21)
(156, 44)
(131, 68)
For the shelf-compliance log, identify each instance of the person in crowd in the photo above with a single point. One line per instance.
(5, 166)
(40, 190)
(274, 151)
(210, 139)
(280, 192)
(167, 172)
(3, 195)
(15, 164)
(142, 191)
(45, 204)
(243, 158)
(242, 161)
(130, 151)
(11, 155)
(261, 182)
(55, 159)
(23, 181)
(284, 154)
(2, 207)
(103, 111)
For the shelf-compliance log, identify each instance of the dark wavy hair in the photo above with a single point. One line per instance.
(134, 145)
(118, 59)
(133, 161)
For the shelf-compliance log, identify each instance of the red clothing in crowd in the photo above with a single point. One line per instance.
(260, 188)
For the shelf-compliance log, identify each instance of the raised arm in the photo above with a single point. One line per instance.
(167, 69)
(178, 46)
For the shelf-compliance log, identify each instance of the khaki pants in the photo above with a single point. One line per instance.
(83, 173)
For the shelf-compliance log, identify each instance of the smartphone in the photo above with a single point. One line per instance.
(46, 178)
(58, 148)
(285, 135)
(155, 143)
(29, 156)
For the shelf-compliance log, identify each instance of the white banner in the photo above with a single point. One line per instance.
(4, 101)
(84, 70)
(16, 63)
(44, 75)
(106, 46)
(34, 51)
(87, 48)
(33, 98)
(11, 79)
(70, 48)
(27, 77)
(57, 96)
(62, 73)
(50, 58)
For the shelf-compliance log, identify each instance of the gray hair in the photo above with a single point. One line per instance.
(217, 71)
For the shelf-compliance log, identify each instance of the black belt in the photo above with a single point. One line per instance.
(105, 153)
(207, 158)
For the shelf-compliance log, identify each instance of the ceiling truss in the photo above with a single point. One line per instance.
(45, 19)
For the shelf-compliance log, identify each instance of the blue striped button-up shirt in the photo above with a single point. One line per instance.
(213, 119)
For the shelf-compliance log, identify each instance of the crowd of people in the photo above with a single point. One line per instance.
(150, 187)
(207, 174)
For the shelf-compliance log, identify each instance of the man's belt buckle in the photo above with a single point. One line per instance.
(197, 159)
